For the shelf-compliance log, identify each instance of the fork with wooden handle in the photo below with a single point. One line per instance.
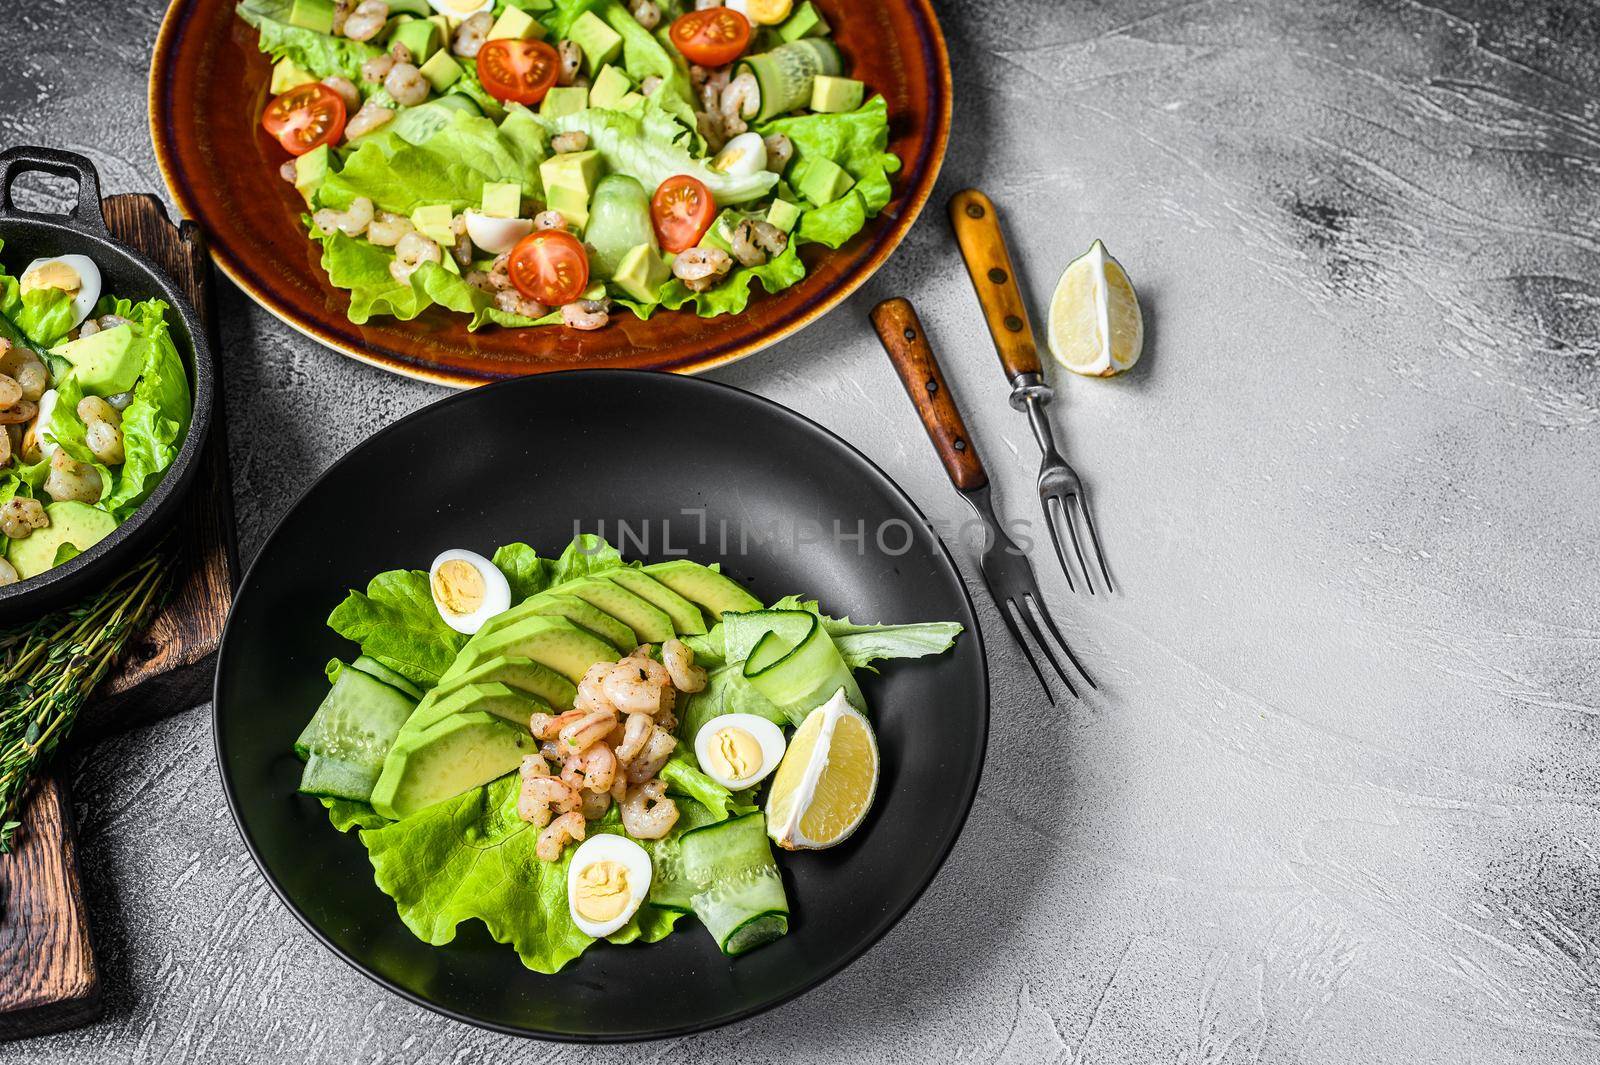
(1004, 565)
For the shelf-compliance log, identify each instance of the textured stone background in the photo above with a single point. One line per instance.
(1340, 798)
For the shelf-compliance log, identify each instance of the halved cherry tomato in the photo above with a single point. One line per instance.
(681, 210)
(305, 117)
(549, 266)
(711, 36)
(517, 71)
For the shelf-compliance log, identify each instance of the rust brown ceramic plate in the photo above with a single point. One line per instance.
(208, 83)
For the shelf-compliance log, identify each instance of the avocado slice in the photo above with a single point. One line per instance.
(455, 755)
(716, 592)
(686, 617)
(649, 623)
(580, 612)
(77, 524)
(523, 674)
(108, 362)
(555, 642)
(507, 703)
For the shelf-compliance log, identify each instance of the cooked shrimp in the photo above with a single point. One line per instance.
(591, 690)
(6, 447)
(530, 807)
(549, 220)
(8, 573)
(10, 391)
(513, 302)
(586, 314)
(401, 53)
(646, 13)
(700, 268)
(574, 140)
(346, 89)
(755, 239)
(554, 839)
(647, 812)
(710, 129)
(388, 228)
(72, 481)
(406, 84)
(94, 409)
(287, 171)
(780, 149)
(548, 726)
(341, 12)
(572, 772)
(599, 768)
(635, 734)
(19, 517)
(471, 34)
(571, 56)
(377, 68)
(739, 101)
(23, 410)
(631, 689)
(542, 794)
(588, 730)
(104, 441)
(653, 757)
(366, 20)
(371, 116)
(24, 367)
(413, 250)
(352, 221)
(595, 805)
(678, 659)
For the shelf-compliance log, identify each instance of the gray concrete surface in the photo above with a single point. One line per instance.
(1339, 801)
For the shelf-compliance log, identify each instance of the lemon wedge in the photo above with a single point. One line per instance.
(826, 781)
(1096, 327)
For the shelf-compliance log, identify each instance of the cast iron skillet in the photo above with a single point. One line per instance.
(534, 459)
(27, 236)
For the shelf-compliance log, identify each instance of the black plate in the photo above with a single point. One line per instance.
(534, 459)
(28, 235)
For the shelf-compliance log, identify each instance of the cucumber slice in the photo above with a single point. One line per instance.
(795, 665)
(349, 736)
(373, 667)
(739, 894)
(670, 886)
(786, 74)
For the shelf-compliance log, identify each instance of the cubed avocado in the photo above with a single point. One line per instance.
(831, 95)
(502, 199)
(571, 202)
(310, 170)
(721, 232)
(824, 181)
(523, 674)
(441, 70)
(610, 85)
(286, 75)
(641, 273)
(631, 101)
(316, 15)
(420, 37)
(806, 21)
(783, 214)
(76, 526)
(462, 752)
(564, 100)
(536, 5)
(595, 291)
(600, 43)
(106, 363)
(434, 222)
(517, 25)
(574, 170)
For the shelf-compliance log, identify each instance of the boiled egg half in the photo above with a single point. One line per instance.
(496, 235)
(467, 589)
(739, 750)
(76, 275)
(461, 9)
(607, 882)
(744, 155)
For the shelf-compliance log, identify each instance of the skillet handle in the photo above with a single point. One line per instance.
(983, 247)
(24, 159)
(901, 332)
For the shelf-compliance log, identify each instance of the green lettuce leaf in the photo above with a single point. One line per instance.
(396, 623)
(857, 141)
(861, 645)
(649, 144)
(733, 295)
(154, 423)
(472, 857)
(586, 554)
(525, 571)
(362, 269)
(44, 315)
(321, 54)
(345, 814)
(683, 777)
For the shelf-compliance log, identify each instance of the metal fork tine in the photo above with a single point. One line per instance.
(1094, 539)
(1044, 616)
(1077, 548)
(1050, 520)
(1027, 619)
(1016, 634)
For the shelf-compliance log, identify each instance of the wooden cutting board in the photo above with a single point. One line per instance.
(48, 976)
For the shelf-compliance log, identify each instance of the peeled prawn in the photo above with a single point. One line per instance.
(647, 812)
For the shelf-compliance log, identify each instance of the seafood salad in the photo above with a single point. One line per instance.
(621, 743)
(551, 162)
(94, 400)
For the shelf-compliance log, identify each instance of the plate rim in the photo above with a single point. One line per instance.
(917, 197)
(969, 791)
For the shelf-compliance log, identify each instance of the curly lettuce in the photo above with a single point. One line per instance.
(857, 141)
